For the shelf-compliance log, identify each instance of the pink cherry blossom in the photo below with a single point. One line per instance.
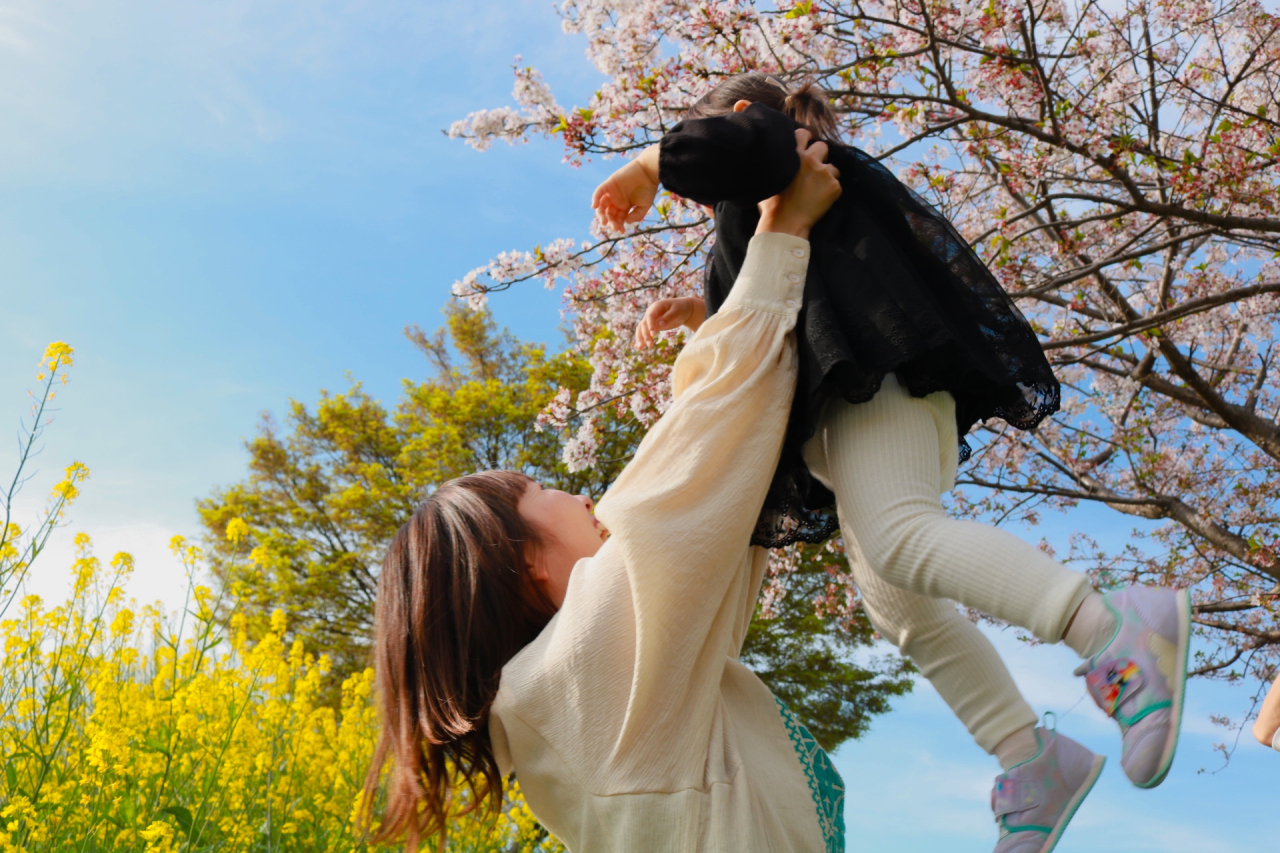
(1115, 167)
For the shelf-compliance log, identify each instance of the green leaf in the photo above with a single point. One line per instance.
(11, 776)
(182, 816)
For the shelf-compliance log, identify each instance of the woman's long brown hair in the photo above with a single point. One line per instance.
(807, 104)
(455, 603)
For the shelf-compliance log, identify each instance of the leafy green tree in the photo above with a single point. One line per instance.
(808, 652)
(326, 492)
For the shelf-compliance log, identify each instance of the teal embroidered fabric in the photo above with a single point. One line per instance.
(825, 783)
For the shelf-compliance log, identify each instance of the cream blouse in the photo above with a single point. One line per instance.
(629, 721)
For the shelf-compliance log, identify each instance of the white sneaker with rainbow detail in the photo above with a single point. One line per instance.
(1139, 678)
(1035, 800)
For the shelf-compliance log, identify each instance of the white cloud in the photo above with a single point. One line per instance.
(157, 574)
(954, 791)
(1127, 829)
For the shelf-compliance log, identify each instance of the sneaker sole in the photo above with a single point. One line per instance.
(1094, 772)
(1175, 713)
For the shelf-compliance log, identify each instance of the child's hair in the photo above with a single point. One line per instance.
(808, 104)
(456, 601)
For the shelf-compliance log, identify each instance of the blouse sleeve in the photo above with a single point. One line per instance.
(681, 513)
(743, 157)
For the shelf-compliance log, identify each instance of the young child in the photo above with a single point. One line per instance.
(905, 341)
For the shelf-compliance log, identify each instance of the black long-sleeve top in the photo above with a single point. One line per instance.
(891, 287)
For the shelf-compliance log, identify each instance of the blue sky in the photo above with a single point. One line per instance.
(226, 205)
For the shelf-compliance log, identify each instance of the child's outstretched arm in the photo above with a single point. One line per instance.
(626, 195)
(666, 314)
(745, 156)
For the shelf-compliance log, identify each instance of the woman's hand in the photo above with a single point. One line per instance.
(667, 314)
(627, 194)
(809, 195)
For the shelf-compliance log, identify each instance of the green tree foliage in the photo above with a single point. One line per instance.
(809, 655)
(325, 494)
(327, 491)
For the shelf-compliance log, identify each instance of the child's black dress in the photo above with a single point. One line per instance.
(892, 287)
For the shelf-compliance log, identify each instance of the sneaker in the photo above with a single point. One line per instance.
(1035, 800)
(1140, 677)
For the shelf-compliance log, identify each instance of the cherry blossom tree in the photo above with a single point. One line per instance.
(1115, 164)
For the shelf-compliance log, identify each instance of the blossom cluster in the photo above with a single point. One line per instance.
(1115, 166)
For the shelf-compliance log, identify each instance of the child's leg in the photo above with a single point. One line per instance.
(883, 463)
(1046, 775)
(883, 466)
(949, 650)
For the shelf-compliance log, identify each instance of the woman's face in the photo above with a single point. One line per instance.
(570, 533)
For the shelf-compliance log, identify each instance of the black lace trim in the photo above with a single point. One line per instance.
(780, 526)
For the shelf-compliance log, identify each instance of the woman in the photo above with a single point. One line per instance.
(510, 637)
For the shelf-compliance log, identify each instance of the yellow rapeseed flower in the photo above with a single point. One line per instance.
(237, 529)
(225, 735)
(122, 624)
(75, 474)
(122, 562)
(57, 354)
(159, 837)
(9, 542)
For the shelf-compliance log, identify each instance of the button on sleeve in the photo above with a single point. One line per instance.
(772, 277)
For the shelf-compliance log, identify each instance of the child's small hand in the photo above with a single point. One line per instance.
(667, 314)
(627, 194)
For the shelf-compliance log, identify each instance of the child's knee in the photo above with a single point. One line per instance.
(938, 627)
(893, 547)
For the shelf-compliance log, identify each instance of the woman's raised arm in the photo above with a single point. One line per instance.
(682, 512)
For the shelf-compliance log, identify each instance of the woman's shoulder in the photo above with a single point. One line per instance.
(568, 689)
(591, 639)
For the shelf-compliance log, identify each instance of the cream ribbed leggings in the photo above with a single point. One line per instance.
(889, 461)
